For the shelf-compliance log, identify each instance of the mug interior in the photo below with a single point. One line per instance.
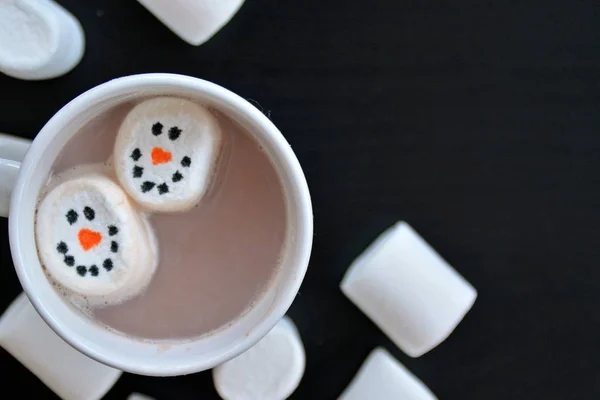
(160, 358)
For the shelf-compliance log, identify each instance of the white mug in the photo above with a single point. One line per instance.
(89, 337)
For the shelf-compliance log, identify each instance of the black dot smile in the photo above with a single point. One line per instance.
(82, 270)
(62, 248)
(177, 176)
(136, 154)
(138, 171)
(147, 186)
(107, 264)
(163, 188)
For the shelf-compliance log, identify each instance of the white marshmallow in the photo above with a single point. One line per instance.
(139, 396)
(166, 152)
(408, 290)
(93, 242)
(382, 377)
(67, 372)
(270, 370)
(38, 39)
(194, 21)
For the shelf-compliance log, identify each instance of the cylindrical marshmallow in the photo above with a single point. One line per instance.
(165, 153)
(67, 372)
(382, 377)
(195, 21)
(38, 39)
(408, 290)
(139, 396)
(270, 370)
(92, 241)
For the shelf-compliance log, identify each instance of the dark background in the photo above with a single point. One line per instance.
(476, 121)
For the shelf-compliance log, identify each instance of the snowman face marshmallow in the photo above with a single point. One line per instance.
(165, 153)
(92, 241)
(89, 239)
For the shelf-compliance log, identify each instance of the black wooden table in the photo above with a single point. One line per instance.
(478, 122)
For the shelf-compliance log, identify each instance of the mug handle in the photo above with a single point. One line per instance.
(12, 152)
(25, 335)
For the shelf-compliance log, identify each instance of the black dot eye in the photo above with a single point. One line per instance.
(62, 248)
(89, 213)
(186, 161)
(174, 133)
(177, 176)
(81, 270)
(147, 186)
(138, 171)
(112, 230)
(107, 264)
(70, 260)
(157, 129)
(72, 217)
(94, 270)
(163, 188)
(136, 154)
(114, 246)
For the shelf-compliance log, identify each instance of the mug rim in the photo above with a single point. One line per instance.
(301, 204)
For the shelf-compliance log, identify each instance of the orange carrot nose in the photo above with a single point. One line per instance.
(160, 156)
(89, 239)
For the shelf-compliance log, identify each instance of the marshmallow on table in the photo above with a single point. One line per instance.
(382, 377)
(195, 21)
(92, 241)
(165, 153)
(67, 372)
(270, 370)
(139, 396)
(38, 39)
(408, 290)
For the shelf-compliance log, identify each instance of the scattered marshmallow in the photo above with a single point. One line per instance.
(382, 377)
(67, 372)
(165, 153)
(93, 242)
(139, 396)
(194, 21)
(38, 39)
(270, 370)
(408, 290)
